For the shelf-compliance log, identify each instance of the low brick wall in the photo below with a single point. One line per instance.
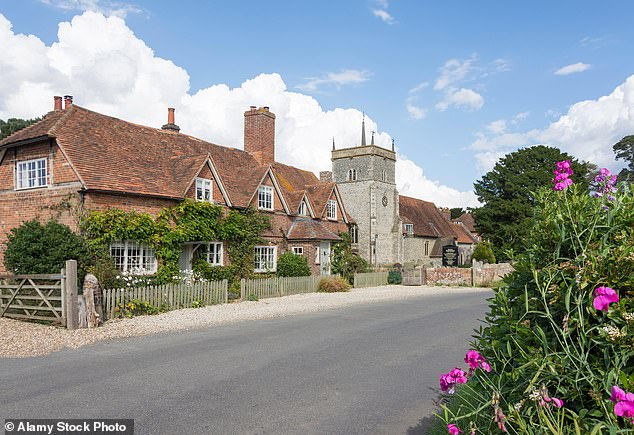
(484, 275)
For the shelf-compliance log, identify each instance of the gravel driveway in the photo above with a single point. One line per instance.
(22, 339)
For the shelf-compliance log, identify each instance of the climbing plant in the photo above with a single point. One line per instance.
(188, 221)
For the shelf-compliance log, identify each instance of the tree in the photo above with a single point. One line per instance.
(11, 125)
(508, 194)
(456, 212)
(345, 262)
(624, 150)
(483, 252)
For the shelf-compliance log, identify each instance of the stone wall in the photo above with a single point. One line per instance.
(485, 275)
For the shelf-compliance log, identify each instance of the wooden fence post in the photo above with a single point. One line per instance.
(72, 315)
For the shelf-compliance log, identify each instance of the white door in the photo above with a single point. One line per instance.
(325, 258)
(185, 260)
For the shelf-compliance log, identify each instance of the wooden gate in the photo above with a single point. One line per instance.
(41, 297)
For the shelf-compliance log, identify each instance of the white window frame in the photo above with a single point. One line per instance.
(204, 186)
(145, 257)
(303, 209)
(265, 198)
(331, 210)
(298, 250)
(269, 262)
(28, 174)
(215, 258)
(354, 233)
(409, 229)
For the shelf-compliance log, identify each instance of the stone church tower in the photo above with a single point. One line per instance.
(365, 176)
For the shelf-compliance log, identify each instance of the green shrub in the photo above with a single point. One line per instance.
(543, 336)
(290, 264)
(484, 252)
(253, 297)
(333, 284)
(345, 262)
(36, 248)
(394, 277)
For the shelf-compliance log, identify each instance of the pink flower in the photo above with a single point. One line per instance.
(558, 402)
(562, 175)
(475, 360)
(603, 297)
(617, 394)
(449, 380)
(453, 429)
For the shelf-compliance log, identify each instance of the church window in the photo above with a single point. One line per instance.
(354, 234)
(409, 229)
(352, 175)
(427, 248)
(384, 175)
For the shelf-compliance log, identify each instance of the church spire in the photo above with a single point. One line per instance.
(363, 131)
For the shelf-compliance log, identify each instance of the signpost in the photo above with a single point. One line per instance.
(450, 256)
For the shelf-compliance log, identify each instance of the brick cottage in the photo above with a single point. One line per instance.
(76, 160)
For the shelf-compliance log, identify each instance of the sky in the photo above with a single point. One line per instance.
(456, 84)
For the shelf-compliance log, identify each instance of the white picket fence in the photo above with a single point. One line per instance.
(169, 296)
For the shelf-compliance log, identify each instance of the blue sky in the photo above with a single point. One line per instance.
(457, 84)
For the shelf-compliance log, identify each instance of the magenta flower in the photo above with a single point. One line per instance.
(558, 402)
(449, 380)
(603, 297)
(453, 429)
(617, 394)
(475, 360)
(562, 175)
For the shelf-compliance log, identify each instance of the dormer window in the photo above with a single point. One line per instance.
(31, 174)
(204, 190)
(265, 198)
(409, 229)
(331, 212)
(352, 175)
(303, 209)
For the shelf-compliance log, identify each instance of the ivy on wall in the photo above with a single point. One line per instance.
(189, 221)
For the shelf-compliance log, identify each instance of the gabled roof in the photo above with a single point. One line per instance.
(110, 154)
(468, 221)
(309, 229)
(427, 220)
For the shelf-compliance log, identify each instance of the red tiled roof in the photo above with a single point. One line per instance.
(309, 229)
(468, 220)
(427, 220)
(115, 155)
(41, 128)
(462, 233)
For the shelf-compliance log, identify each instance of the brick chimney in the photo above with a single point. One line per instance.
(68, 101)
(171, 126)
(446, 212)
(259, 134)
(57, 103)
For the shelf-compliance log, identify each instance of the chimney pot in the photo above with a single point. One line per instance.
(252, 107)
(266, 108)
(68, 101)
(171, 125)
(57, 103)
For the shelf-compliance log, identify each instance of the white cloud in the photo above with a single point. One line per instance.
(587, 131)
(337, 79)
(107, 68)
(414, 111)
(384, 16)
(419, 87)
(463, 97)
(497, 127)
(520, 117)
(453, 71)
(411, 181)
(572, 69)
(380, 11)
(106, 7)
